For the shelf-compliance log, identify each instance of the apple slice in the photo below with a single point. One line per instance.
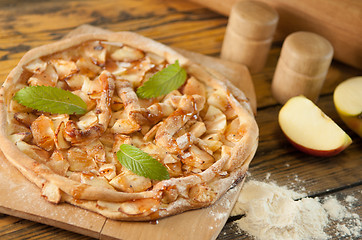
(310, 130)
(347, 99)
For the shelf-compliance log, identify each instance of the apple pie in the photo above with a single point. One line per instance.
(203, 133)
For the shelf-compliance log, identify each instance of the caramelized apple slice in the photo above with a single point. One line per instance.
(48, 77)
(25, 118)
(215, 120)
(93, 180)
(58, 163)
(60, 142)
(127, 54)
(51, 193)
(193, 86)
(212, 141)
(79, 160)
(75, 82)
(108, 171)
(218, 99)
(64, 68)
(36, 66)
(43, 132)
(127, 181)
(139, 206)
(233, 131)
(33, 151)
(96, 150)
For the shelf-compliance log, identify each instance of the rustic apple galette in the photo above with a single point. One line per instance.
(124, 126)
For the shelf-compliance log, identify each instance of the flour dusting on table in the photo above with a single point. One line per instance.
(275, 212)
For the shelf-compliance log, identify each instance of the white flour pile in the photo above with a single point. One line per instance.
(351, 224)
(271, 212)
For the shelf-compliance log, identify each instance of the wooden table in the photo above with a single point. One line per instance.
(27, 24)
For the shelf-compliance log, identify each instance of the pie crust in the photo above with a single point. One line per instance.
(204, 132)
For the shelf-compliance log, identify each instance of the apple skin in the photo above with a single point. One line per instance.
(349, 93)
(353, 122)
(320, 153)
(309, 130)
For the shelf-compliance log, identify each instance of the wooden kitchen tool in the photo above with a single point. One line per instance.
(339, 21)
(249, 34)
(21, 198)
(302, 66)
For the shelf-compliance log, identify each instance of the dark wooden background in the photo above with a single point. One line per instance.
(27, 24)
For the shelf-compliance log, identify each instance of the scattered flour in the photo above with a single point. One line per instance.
(294, 183)
(344, 231)
(218, 212)
(347, 224)
(351, 199)
(274, 212)
(335, 209)
(267, 176)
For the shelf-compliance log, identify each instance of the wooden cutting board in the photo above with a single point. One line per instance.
(21, 198)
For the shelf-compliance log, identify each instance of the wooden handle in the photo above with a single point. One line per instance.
(339, 21)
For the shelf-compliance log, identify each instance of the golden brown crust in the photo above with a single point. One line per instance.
(167, 197)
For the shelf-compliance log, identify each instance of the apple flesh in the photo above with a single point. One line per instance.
(347, 99)
(310, 130)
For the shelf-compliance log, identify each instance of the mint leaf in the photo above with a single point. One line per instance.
(51, 99)
(168, 79)
(141, 163)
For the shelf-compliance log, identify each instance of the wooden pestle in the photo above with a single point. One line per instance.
(249, 34)
(302, 66)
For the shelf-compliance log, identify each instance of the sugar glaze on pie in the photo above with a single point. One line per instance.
(201, 133)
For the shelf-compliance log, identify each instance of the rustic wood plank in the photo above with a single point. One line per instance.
(16, 228)
(7, 220)
(26, 24)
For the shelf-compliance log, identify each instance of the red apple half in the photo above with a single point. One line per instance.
(347, 99)
(310, 130)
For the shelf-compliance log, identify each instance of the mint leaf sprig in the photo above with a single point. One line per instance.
(51, 99)
(141, 163)
(163, 82)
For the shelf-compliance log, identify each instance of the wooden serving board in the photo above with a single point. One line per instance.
(21, 198)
